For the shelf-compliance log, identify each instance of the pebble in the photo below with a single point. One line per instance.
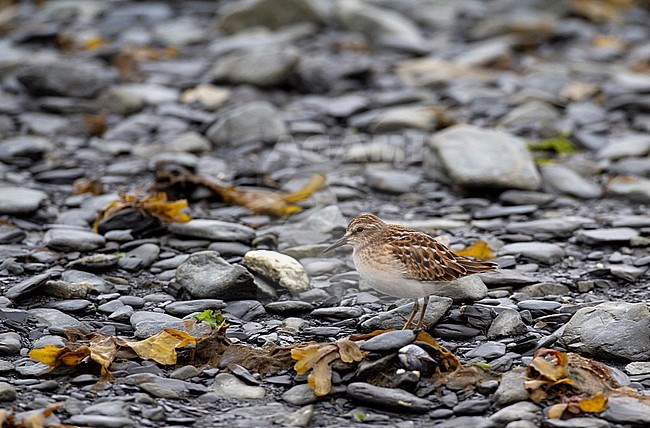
(20, 200)
(227, 385)
(289, 307)
(511, 388)
(278, 267)
(389, 341)
(436, 309)
(507, 324)
(539, 251)
(387, 397)
(342, 312)
(205, 275)
(256, 121)
(607, 236)
(488, 350)
(214, 230)
(474, 156)
(7, 392)
(190, 306)
(567, 181)
(73, 240)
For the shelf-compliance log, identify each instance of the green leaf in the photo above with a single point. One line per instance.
(483, 365)
(360, 416)
(560, 145)
(212, 317)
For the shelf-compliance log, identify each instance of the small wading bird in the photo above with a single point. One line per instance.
(403, 262)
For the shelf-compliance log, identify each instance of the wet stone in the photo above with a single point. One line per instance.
(389, 341)
(289, 307)
(187, 307)
(488, 350)
(73, 240)
(387, 397)
(205, 275)
(20, 200)
(227, 385)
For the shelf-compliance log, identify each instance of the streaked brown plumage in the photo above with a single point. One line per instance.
(403, 262)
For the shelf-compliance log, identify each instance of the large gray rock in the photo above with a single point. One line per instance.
(611, 330)
(256, 121)
(205, 275)
(20, 200)
(395, 318)
(540, 251)
(508, 323)
(64, 79)
(627, 410)
(258, 67)
(512, 387)
(476, 157)
(566, 180)
(56, 318)
(272, 14)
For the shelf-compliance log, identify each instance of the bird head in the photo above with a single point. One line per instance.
(361, 231)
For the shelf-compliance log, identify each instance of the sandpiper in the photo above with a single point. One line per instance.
(403, 262)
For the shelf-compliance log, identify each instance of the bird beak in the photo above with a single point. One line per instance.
(338, 243)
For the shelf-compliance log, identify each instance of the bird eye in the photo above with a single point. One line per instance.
(359, 229)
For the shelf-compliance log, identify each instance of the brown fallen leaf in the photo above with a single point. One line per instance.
(600, 10)
(448, 361)
(478, 250)
(103, 350)
(93, 186)
(260, 201)
(318, 358)
(155, 205)
(35, 418)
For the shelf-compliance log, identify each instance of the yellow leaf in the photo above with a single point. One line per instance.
(161, 347)
(94, 42)
(155, 205)
(594, 404)
(315, 182)
(478, 250)
(556, 411)
(448, 361)
(320, 379)
(349, 351)
(54, 356)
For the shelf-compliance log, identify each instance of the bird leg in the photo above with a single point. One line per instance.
(420, 324)
(416, 307)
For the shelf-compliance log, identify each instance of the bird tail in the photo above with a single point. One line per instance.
(476, 266)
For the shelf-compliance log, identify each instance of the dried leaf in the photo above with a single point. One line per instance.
(350, 351)
(161, 347)
(93, 186)
(320, 378)
(308, 357)
(260, 201)
(37, 418)
(557, 410)
(103, 350)
(550, 366)
(448, 361)
(478, 250)
(594, 404)
(600, 10)
(155, 205)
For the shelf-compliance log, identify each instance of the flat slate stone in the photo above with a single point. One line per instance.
(388, 397)
(480, 157)
(20, 200)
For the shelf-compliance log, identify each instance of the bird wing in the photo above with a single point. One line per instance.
(425, 259)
